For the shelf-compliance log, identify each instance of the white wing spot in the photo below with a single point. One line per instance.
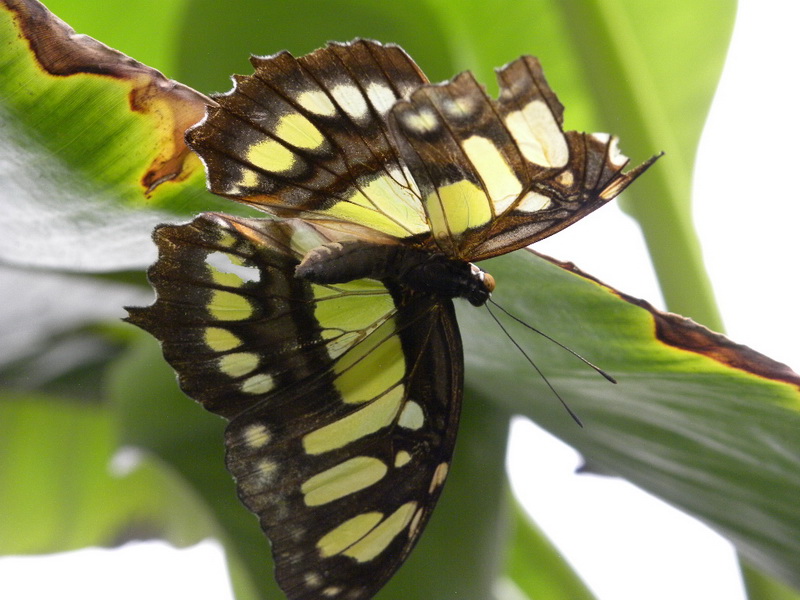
(412, 416)
(257, 384)
(256, 435)
(533, 201)
(499, 178)
(615, 157)
(224, 263)
(317, 102)
(459, 108)
(265, 470)
(382, 97)
(566, 179)
(420, 122)
(312, 579)
(439, 475)
(351, 100)
(295, 532)
(538, 135)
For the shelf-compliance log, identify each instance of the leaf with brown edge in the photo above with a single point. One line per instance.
(172, 105)
(684, 333)
(92, 148)
(704, 423)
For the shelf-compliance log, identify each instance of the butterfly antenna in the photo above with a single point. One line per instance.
(556, 342)
(533, 364)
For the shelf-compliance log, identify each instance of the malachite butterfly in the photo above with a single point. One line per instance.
(326, 334)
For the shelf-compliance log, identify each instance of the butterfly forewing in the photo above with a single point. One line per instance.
(307, 138)
(354, 133)
(497, 175)
(343, 399)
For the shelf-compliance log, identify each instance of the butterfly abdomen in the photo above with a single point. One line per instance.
(410, 268)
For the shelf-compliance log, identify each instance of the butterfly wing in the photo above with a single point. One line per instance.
(354, 134)
(307, 137)
(498, 175)
(343, 400)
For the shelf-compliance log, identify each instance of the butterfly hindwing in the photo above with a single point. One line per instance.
(340, 435)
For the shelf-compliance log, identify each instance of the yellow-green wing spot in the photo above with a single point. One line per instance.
(343, 479)
(376, 541)
(387, 202)
(372, 366)
(365, 536)
(229, 306)
(365, 420)
(349, 312)
(456, 207)
(271, 156)
(402, 458)
(348, 533)
(220, 340)
(278, 155)
(238, 364)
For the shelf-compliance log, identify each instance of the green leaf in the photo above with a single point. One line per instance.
(658, 65)
(717, 441)
(61, 487)
(697, 420)
(31, 319)
(229, 34)
(762, 587)
(91, 148)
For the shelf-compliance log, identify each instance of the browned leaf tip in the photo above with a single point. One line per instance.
(681, 332)
(173, 106)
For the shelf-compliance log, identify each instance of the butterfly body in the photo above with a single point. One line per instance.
(328, 336)
(400, 266)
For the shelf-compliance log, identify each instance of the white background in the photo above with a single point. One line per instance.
(625, 544)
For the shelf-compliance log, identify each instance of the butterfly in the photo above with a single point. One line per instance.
(326, 333)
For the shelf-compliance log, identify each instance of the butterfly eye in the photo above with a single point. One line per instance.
(488, 281)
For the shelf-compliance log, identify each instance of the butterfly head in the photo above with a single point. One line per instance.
(481, 286)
